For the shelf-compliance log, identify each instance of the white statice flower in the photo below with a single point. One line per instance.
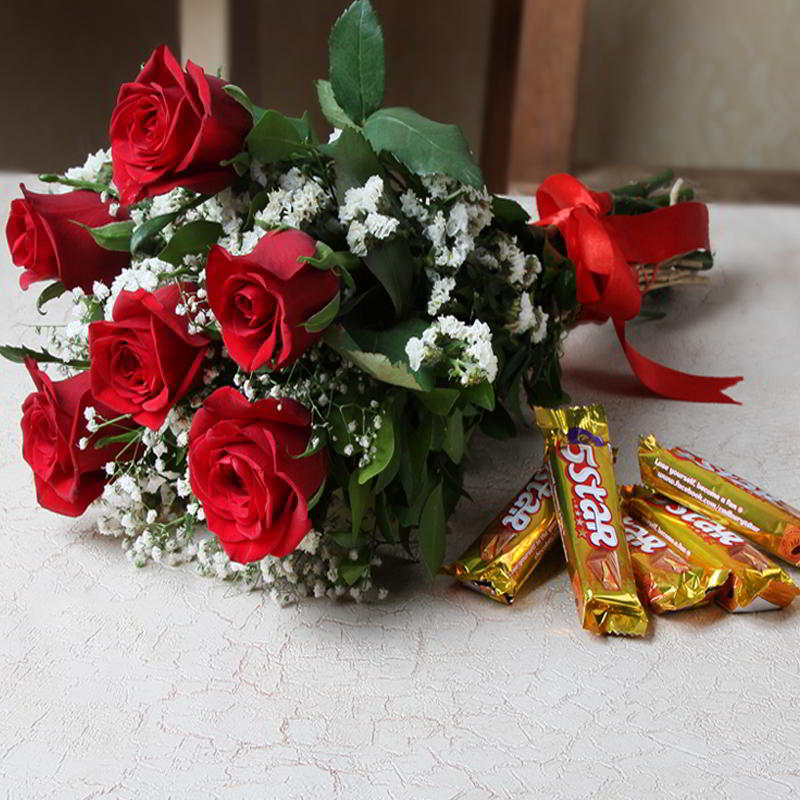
(414, 206)
(529, 318)
(298, 200)
(89, 171)
(452, 216)
(467, 349)
(143, 275)
(362, 213)
(520, 267)
(380, 226)
(440, 293)
(357, 238)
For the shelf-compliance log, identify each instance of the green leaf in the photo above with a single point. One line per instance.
(275, 137)
(359, 494)
(55, 289)
(126, 436)
(409, 516)
(240, 96)
(357, 62)
(383, 518)
(508, 211)
(453, 443)
(414, 460)
(351, 571)
(354, 159)
(328, 258)
(393, 265)
(315, 498)
(196, 237)
(384, 450)
(432, 530)
(389, 473)
(147, 230)
(18, 355)
(113, 236)
(240, 162)
(438, 427)
(438, 401)
(50, 177)
(324, 317)
(424, 146)
(331, 109)
(391, 367)
(321, 437)
(482, 394)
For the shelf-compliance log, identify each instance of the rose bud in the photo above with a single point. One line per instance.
(254, 493)
(173, 128)
(46, 242)
(67, 477)
(261, 299)
(145, 360)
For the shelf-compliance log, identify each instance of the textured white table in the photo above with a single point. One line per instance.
(118, 683)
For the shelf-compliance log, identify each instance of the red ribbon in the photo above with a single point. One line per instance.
(603, 246)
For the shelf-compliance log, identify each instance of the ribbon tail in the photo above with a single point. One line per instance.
(672, 383)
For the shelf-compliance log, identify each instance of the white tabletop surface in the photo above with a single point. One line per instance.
(157, 683)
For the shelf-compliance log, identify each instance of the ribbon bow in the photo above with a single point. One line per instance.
(603, 246)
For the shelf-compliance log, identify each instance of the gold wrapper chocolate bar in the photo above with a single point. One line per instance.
(579, 460)
(740, 505)
(755, 582)
(502, 558)
(664, 572)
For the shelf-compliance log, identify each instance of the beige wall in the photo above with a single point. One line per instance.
(701, 83)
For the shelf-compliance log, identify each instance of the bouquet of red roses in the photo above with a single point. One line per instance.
(279, 348)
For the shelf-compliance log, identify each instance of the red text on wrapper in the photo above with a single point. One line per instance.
(642, 539)
(527, 503)
(593, 517)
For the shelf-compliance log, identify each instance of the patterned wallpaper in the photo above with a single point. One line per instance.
(701, 83)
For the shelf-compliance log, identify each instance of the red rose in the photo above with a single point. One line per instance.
(45, 241)
(145, 360)
(261, 299)
(172, 128)
(67, 478)
(254, 494)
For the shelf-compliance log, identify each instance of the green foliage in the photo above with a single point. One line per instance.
(17, 355)
(393, 265)
(196, 237)
(354, 161)
(432, 530)
(453, 443)
(356, 61)
(241, 97)
(325, 316)
(359, 494)
(151, 228)
(331, 109)
(424, 146)
(55, 289)
(98, 187)
(384, 444)
(508, 211)
(276, 137)
(113, 236)
(381, 354)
